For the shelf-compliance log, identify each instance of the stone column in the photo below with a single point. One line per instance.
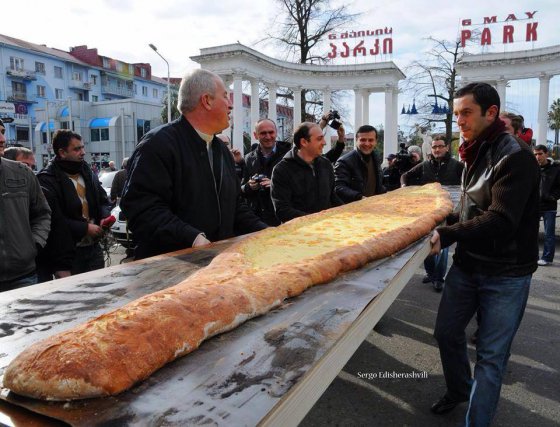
(255, 110)
(238, 112)
(227, 82)
(365, 115)
(297, 106)
(544, 87)
(391, 110)
(358, 110)
(501, 88)
(326, 100)
(272, 88)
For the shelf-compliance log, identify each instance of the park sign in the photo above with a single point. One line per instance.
(510, 29)
(362, 43)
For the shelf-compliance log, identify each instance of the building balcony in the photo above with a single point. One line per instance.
(77, 84)
(21, 74)
(19, 96)
(116, 90)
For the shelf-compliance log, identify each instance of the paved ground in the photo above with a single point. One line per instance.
(402, 342)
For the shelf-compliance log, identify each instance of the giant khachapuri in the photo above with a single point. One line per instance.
(112, 352)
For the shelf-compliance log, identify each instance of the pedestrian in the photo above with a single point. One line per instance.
(496, 230)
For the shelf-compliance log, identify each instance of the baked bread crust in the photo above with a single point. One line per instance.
(112, 352)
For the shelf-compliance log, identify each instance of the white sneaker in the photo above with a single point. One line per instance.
(542, 262)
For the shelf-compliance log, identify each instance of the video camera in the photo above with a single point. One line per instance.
(333, 119)
(403, 161)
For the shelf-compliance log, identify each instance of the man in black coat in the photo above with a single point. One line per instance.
(257, 172)
(496, 230)
(79, 205)
(303, 181)
(442, 168)
(358, 173)
(182, 190)
(548, 204)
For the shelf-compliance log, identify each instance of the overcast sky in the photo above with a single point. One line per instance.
(123, 29)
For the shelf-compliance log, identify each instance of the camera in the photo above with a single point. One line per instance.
(334, 119)
(403, 161)
(258, 177)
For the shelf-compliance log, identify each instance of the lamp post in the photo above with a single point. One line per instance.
(168, 83)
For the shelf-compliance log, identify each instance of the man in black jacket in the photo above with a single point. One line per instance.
(257, 172)
(549, 195)
(303, 181)
(358, 173)
(439, 167)
(496, 229)
(182, 190)
(79, 205)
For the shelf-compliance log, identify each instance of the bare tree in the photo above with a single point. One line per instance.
(299, 29)
(433, 81)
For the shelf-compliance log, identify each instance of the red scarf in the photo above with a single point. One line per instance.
(468, 150)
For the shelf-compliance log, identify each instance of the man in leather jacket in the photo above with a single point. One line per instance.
(496, 229)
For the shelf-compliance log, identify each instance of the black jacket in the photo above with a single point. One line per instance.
(299, 189)
(550, 186)
(497, 222)
(447, 171)
(351, 175)
(259, 200)
(68, 226)
(172, 195)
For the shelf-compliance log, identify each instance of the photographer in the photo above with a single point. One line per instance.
(255, 185)
(332, 119)
(358, 173)
(399, 163)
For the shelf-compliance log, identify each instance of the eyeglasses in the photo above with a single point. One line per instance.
(434, 147)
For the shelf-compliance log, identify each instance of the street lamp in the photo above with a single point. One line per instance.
(168, 83)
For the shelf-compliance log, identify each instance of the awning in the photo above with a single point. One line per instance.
(64, 112)
(44, 126)
(99, 123)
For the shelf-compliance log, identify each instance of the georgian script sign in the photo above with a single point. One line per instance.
(358, 44)
(508, 32)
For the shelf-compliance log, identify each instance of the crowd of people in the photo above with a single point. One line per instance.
(184, 186)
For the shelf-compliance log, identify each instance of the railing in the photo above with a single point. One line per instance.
(20, 96)
(78, 84)
(115, 90)
(24, 74)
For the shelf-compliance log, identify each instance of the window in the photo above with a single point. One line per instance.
(16, 63)
(39, 67)
(135, 89)
(142, 127)
(40, 91)
(59, 93)
(131, 69)
(99, 134)
(19, 90)
(77, 76)
(106, 63)
(94, 98)
(144, 91)
(58, 72)
(143, 73)
(119, 67)
(93, 79)
(155, 93)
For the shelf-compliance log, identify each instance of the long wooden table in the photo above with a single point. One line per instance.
(269, 371)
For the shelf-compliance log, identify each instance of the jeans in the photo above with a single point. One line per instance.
(88, 258)
(436, 265)
(20, 282)
(549, 220)
(501, 302)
